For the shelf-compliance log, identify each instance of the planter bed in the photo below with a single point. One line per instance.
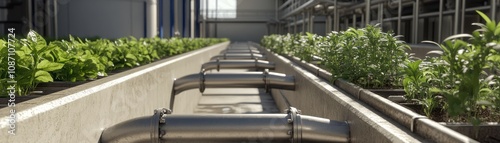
(80, 113)
(315, 96)
(406, 115)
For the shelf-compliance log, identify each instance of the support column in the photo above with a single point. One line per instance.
(415, 21)
(336, 18)
(303, 23)
(328, 25)
(399, 17)
(295, 30)
(311, 22)
(462, 19)
(440, 21)
(56, 34)
(176, 18)
(192, 19)
(381, 15)
(493, 10)
(457, 17)
(152, 28)
(367, 11)
(354, 20)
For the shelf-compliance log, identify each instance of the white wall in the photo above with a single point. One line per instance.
(103, 18)
(256, 11)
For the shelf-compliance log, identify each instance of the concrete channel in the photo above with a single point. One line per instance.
(272, 100)
(237, 108)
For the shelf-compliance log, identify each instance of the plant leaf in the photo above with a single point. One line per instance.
(49, 66)
(458, 36)
(438, 52)
(43, 76)
(484, 16)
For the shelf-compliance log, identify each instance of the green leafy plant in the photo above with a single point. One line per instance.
(74, 59)
(34, 63)
(366, 56)
(467, 88)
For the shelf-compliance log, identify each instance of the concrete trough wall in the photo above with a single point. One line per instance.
(316, 97)
(79, 114)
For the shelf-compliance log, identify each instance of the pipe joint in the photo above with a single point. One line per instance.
(291, 127)
(160, 115)
(296, 121)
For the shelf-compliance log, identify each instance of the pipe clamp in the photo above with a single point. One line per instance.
(158, 118)
(218, 64)
(296, 120)
(202, 82)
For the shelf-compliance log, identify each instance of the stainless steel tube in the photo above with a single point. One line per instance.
(227, 128)
(234, 80)
(242, 48)
(239, 56)
(241, 51)
(238, 64)
(223, 128)
(136, 130)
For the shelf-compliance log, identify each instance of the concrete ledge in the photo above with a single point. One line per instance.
(316, 97)
(79, 114)
(422, 126)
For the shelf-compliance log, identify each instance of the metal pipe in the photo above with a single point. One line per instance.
(295, 26)
(238, 64)
(367, 11)
(327, 27)
(300, 8)
(243, 48)
(354, 21)
(432, 14)
(285, 4)
(56, 32)
(440, 20)
(493, 10)
(415, 21)
(239, 56)
(457, 14)
(393, 4)
(399, 17)
(282, 128)
(381, 15)
(462, 13)
(311, 22)
(361, 5)
(192, 18)
(303, 23)
(233, 80)
(241, 51)
(336, 17)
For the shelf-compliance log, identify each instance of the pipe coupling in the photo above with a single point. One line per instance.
(202, 81)
(158, 119)
(296, 121)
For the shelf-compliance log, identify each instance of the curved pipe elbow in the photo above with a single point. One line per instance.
(315, 129)
(136, 130)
